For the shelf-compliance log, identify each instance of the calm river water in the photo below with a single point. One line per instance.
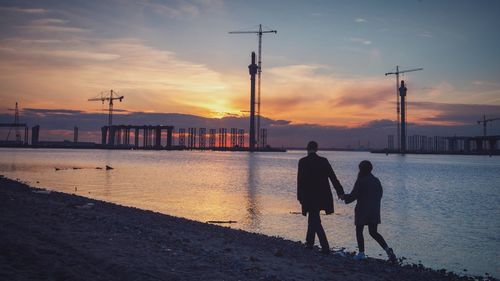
(441, 210)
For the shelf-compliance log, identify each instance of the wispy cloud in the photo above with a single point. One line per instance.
(454, 113)
(23, 10)
(366, 97)
(141, 49)
(314, 94)
(360, 40)
(426, 34)
(50, 26)
(48, 21)
(183, 9)
(151, 78)
(180, 9)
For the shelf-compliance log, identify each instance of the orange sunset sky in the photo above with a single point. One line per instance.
(325, 66)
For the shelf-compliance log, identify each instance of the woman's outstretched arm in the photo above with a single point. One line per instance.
(351, 197)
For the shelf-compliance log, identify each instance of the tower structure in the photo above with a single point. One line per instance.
(402, 95)
(259, 33)
(397, 73)
(252, 68)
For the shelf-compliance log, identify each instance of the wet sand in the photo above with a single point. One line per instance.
(56, 236)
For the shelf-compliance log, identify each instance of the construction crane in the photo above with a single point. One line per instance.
(16, 123)
(397, 96)
(485, 121)
(111, 97)
(259, 64)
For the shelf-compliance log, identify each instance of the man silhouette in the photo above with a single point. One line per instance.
(314, 193)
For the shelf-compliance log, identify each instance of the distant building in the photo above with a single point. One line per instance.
(390, 142)
(454, 144)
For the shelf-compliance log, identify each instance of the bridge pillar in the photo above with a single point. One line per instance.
(35, 133)
(136, 137)
(169, 137)
(157, 136)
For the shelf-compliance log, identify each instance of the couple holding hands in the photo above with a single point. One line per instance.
(314, 194)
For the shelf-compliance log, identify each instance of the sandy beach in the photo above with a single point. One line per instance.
(47, 235)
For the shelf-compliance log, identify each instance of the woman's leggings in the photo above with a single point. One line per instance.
(372, 228)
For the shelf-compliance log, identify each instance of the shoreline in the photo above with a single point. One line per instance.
(71, 145)
(239, 149)
(49, 235)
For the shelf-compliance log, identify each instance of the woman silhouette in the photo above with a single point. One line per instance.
(368, 193)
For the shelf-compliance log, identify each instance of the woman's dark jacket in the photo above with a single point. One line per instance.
(313, 188)
(368, 192)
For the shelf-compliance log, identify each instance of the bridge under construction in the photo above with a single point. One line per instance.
(165, 137)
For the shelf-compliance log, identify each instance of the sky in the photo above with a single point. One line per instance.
(322, 75)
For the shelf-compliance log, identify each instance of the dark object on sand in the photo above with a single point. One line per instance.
(85, 206)
(296, 213)
(109, 167)
(41, 191)
(222, 222)
(98, 168)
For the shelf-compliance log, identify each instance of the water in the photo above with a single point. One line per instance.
(441, 210)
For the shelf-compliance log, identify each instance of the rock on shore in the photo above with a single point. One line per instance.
(57, 236)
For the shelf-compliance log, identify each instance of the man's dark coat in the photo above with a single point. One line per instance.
(313, 188)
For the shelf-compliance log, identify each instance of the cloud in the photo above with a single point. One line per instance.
(53, 54)
(360, 20)
(50, 28)
(180, 9)
(178, 12)
(289, 103)
(426, 34)
(48, 21)
(365, 97)
(70, 55)
(442, 88)
(66, 61)
(43, 112)
(149, 77)
(23, 10)
(314, 94)
(360, 40)
(455, 114)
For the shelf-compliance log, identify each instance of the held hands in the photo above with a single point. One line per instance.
(342, 197)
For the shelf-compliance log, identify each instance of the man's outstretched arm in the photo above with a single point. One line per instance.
(335, 181)
(300, 184)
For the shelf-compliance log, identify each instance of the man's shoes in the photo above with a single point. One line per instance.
(360, 256)
(325, 250)
(392, 256)
(309, 246)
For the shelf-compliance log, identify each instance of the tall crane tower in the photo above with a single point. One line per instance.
(110, 98)
(397, 96)
(259, 70)
(16, 122)
(485, 121)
